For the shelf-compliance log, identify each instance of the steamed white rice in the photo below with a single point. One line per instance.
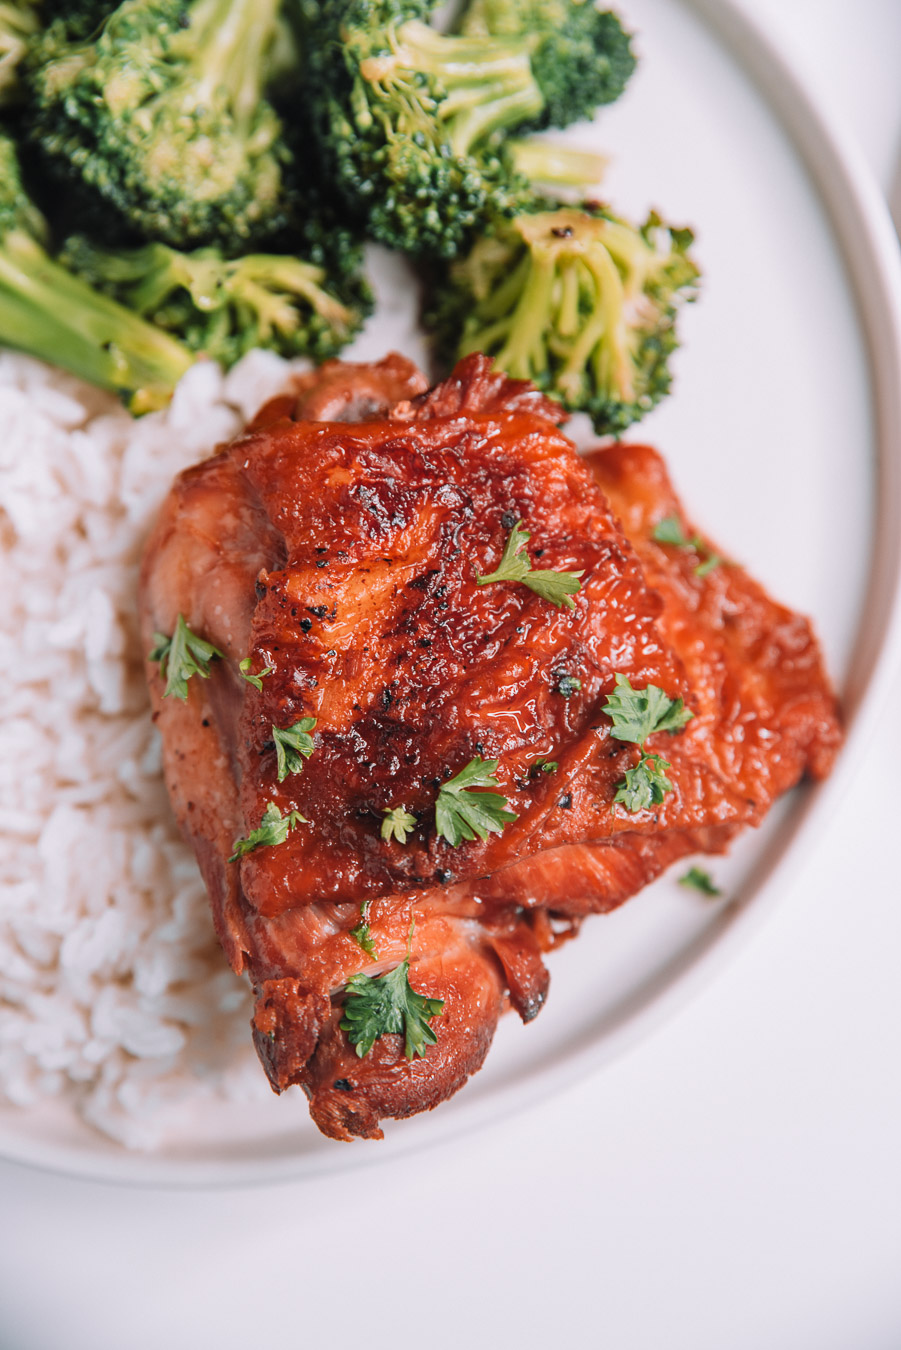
(113, 990)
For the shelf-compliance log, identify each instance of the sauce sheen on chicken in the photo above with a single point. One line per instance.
(338, 545)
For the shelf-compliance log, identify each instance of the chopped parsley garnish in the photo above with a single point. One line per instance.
(543, 766)
(645, 785)
(292, 746)
(567, 685)
(273, 829)
(181, 656)
(363, 938)
(378, 1005)
(557, 587)
(699, 880)
(462, 814)
(637, 714)
(361, 933)
(397, 824)
(255, 680)
(669, 531)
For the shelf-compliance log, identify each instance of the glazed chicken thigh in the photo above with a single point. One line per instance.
(338, 558)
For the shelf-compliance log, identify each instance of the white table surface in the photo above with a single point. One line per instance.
(734, 1183)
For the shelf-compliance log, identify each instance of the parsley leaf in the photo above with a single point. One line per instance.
(669, 531)
(255, 680)
(567, 684)
(397, 823)
(462, 814)
(543, 766)
(557, 587)
(362, 935)
(699, 880)
(181, 656)
(293, 746)
(378, 1005)
(710, 562)
(273, 829)
(645, 785)
(363, 938)
(637, 713)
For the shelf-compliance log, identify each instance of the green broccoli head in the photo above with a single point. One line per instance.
(411, 122)
(224, 307)
(581, 56)
(577, 300)
(161, 120)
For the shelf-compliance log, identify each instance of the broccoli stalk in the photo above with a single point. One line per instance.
(162, 118)
(548, 164)
(48, 312)
(576, 300)
(223, 52)
(224, 307)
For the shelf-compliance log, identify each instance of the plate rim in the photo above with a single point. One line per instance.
(857, 214)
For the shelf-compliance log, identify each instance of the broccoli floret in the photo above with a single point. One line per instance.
(19, 25)
(224, 307)
(581, 56)
(410, 121)
(161, 118)
(577, 300)
(414, 125)
(48, 312)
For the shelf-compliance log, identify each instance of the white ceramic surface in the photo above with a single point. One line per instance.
(791, 372)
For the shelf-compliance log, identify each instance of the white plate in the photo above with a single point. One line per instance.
(784, 437)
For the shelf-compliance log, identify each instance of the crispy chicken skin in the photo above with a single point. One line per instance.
(338, 542)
